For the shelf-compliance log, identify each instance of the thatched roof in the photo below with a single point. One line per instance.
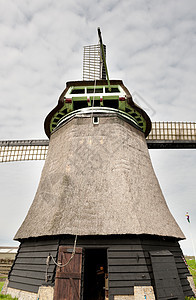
(98, 180)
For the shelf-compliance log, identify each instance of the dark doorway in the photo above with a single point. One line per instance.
(95, 274)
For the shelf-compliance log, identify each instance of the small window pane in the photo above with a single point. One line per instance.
(78, 91)
(98, 90)
(113, 90)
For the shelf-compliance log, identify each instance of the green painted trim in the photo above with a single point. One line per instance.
(122, 106)
(111, 97)
(79, 98)
(94, 97)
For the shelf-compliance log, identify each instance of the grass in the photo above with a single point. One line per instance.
(192, 268)
(1, 285)
(8, 297)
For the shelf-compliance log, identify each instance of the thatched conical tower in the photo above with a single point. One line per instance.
(100, 204)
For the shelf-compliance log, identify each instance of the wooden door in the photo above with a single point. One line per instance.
(68, 278)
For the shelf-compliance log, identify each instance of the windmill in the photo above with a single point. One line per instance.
(94, 120)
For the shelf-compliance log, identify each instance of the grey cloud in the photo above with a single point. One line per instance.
(150, 46)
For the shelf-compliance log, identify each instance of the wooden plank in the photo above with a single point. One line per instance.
(122, 291)
(68, 275)
(39, 248)
(106, 241)
(164, 242)
(184, 282)
(126, 261)
(23, 286)
(126, 247)
(162, 247)
(178, 259)
(127, 254)
(128, 276)
(181, 265)
(38, 268)
(26, 280)
(187, 288)
(131, 269)
(69, 250)
(129, 283)
(32, 261)
(36, 254)
(31, 274)
(188, 293)
(182, 271)
(167, 281)
(42, 242)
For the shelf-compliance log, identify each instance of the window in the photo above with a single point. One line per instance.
(95, 120)
(113, 90)
(78, 91)
(97, 90)
(79, 104)
(111, 103)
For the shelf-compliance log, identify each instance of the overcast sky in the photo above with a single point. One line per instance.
(151, 46)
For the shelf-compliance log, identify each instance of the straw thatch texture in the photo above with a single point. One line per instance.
(98, 180)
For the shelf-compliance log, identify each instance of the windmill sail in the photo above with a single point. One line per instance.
(163, 135)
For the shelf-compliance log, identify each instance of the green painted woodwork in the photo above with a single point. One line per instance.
(122, 106)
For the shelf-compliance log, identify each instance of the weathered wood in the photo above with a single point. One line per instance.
(43, 255)
(68, 277)
(38, 268)
(32, 260)
(128, 283)
(40, 248)
(125, 254)
(104, 240)
(122, 291)
(129, 247)
(126, 261)
(31, 274)
(167, 281)
(128, 276)
(29, 269)
(130, 268)
(33, 281)
(24, 286)
(39, 242)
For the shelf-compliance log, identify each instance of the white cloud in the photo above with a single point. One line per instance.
(151, 46)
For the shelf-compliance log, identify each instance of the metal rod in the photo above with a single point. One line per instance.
(103, 56)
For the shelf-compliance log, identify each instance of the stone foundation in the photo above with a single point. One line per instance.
(46, 293)
(144, 292)
(140, 292)
(21, 295)
(192, 284)
(124, 297)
